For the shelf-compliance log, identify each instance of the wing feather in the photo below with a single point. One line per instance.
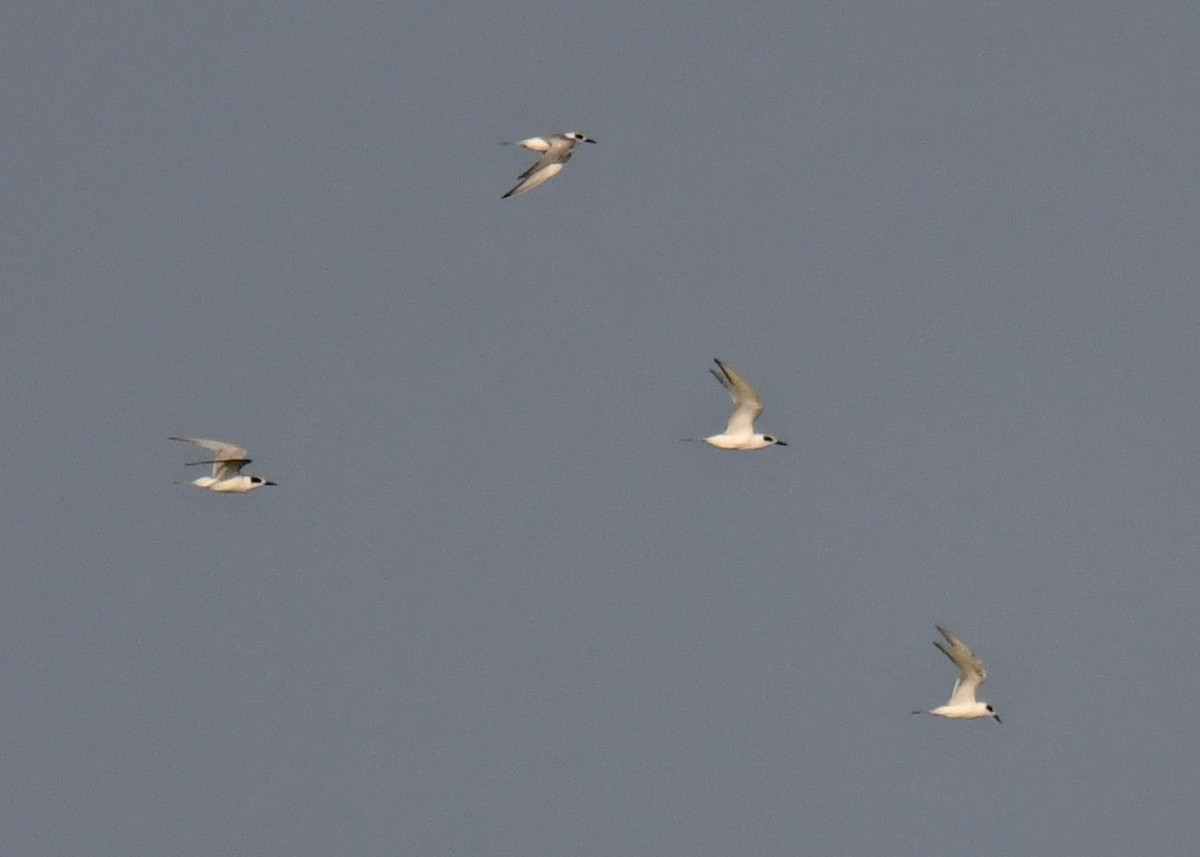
(747, 404)
(227, 461)
(971, 672)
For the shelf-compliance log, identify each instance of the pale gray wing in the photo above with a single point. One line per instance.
(539, 173)
(227, 459)
(747, 404)
(227, 468)
(971, 673)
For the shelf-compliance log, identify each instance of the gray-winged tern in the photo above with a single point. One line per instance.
(971, 675)
(227, 463)
(556, 149)
(747, 405)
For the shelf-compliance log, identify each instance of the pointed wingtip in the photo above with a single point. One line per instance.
(941, 647)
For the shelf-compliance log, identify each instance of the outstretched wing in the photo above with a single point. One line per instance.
(227, 460)
(747, 404)
(971, 672)
(541, 172)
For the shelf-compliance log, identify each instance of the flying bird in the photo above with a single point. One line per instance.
(747, 405)
(971, 675)
(556, 150)
(227, 463)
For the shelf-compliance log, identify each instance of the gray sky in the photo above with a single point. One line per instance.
(495, 607)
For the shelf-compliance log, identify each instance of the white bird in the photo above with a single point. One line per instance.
(747, 405)
(971, 675)
(557, 151)
(227, 461)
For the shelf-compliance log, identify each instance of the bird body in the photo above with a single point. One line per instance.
(556, 150)
(747, 405)
(227, 463)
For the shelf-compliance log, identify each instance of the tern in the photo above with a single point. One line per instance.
(747, 405)
(227, 461)
(971, 675)
(556, 150)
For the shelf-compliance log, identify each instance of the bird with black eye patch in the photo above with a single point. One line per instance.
(971, 676)
(556, 149)
(747, 406)
(227, 463)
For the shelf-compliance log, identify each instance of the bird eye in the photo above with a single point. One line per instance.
(254, 480)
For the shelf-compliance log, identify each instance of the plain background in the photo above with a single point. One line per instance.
(495, 607)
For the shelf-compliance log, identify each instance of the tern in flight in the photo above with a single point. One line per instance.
(747, 405)
(556, 150)
(227, 463)
(971, 675)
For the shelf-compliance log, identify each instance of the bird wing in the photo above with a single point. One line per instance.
(227, 460)
(747, 405)
(971, 673)
(227, 468)
(544, 170)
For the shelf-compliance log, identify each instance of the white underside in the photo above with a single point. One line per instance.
(962, 712)
(733, 441)
(236, 485)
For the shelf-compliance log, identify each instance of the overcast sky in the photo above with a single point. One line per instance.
(494, 606)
